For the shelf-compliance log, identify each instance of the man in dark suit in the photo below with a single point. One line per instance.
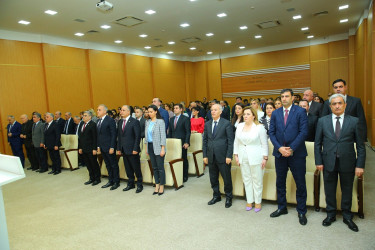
(335, 155)
(77, 123)
(52, 143)
(164, 114)
(69, 124)
(217, 153)
(106, 129)
(26, 135)
(38, 140)
(288, 131)
(128, 144)
(60, 121)
(87, 147)
(142, 121)
(179, 127)
(353, 106)
(312, 120)
(315, 108)
(14, 139)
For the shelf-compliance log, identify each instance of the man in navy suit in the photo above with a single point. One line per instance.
(69, 124)
(106, 128)
(288, 131)
(128, 144)
(59, 121)
(52, 137)
(14, 139)
(164, 114)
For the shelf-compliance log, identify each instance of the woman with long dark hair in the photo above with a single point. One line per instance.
(237, 116)
(266, 119)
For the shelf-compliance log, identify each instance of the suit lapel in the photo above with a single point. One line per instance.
(218, 126)
(345, 126)
(330, 127)
(291, 115)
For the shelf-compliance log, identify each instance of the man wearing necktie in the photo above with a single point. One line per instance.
(69, 124)
(14, 139)
(179, 127)
(52, 142)
(218, 153)
(26, 135)
(128, 144)
(335, 155)
(288, 132)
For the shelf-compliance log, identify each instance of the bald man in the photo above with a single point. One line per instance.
(315, 108)
(26, 135)
(218, 152)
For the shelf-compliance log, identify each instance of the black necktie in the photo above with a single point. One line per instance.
(214, 131)
(46, 127)
(34, 126)
(338, 127)
(99, 123)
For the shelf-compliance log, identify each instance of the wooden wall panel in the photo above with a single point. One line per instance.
(67, 79)
(320, 69)
(189, 82)
(200, 79)
(214, 80)
(360, 65)
(169, 79)
(338, 60)
(368, 102)
(108, 78)
(138, 72)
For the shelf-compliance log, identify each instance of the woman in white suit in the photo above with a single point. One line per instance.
(251, 154)
(155, 138)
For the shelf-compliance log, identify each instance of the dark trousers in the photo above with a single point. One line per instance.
(157, 163)
(55, 158)
(30, 151)
(133, 166)
(112, 167)
(330, 186)
(41, 157)
(186, 163)
(225, 171)
(18, 151)
(297, 166)
(92, 165)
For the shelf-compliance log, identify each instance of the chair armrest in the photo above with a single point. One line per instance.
(61, 148)
(196, 162)
(197, 152)
(173, 173)
(68, 150)
(360, 197)
(316, 189)
(175, 160)
(66, 155)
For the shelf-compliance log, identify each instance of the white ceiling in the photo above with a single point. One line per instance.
(200, 14)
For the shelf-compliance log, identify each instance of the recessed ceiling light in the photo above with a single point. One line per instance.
(147, 47)
(209, 34)
(309, 37)
(297, 17)
(305, 28)
(184, 25)
(344, 20)
(143, 35)
(193, 48)
(243, 28)
(150, 12)
(24, 22)
(209, 52)
(79, 34)
(258, 36)
(105, 26)
(343, 7)
(170, 52)
(118, 41)
(171, 42)
(242, 47)
(50, 12)
(222, 15)
(228, 41)
(193, 0)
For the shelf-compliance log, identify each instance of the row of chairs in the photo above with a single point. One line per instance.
(173, 163)
(314, 184)
(68, 152)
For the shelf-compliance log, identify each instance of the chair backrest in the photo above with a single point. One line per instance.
(143, 154)
(310, 159)
(174, 149)
(64, 141)
(73, 141)
(196, 142)
(271, 159)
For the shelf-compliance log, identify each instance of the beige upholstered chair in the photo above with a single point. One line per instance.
(312, 180)
(70, 159)
(173, 164)
(64, 146)
(237, 182)
(146, 169)
(122, 169)
(195, 155)
(269, 178)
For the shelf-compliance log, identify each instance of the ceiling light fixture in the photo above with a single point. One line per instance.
(143, 35)
(222, 15)
(243, 28)
(344, 20)
(184, 25)
(209, 52)
(147, 47)
(209, 34)
(170, 52)
(24, 22)
(171, 42)
(242, 47)
(118, 41)
(79, 34)
(305, 28)
(50, 12)
(258, 36)
(150, 12)
(309, 37)
(105, 26)
(297, 17)
(228, 41)
(343, 7)
(193, 48)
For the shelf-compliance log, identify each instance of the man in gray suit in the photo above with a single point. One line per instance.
(335, 155)
(218, 152)
(38, 139)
